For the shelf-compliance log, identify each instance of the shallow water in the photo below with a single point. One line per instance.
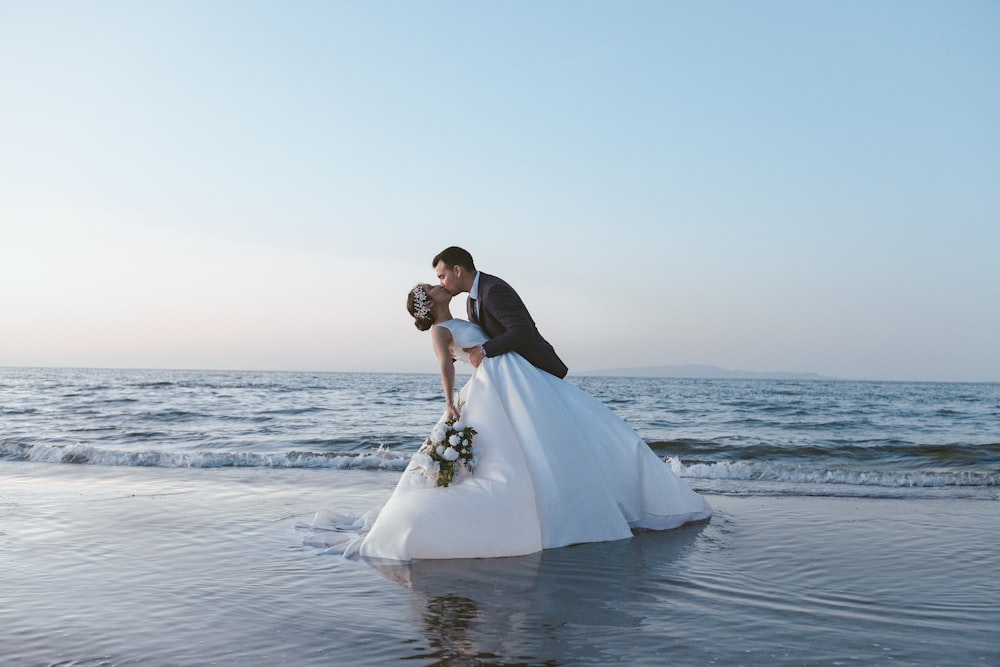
(152, 518)
(172, 566)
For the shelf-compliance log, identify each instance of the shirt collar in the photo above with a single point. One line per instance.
(474, 290)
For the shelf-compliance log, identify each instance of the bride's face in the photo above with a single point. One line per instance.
(437, 293)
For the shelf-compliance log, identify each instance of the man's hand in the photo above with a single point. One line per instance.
(476, 355)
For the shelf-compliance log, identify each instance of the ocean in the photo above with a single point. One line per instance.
(745, 437)
(157, 517)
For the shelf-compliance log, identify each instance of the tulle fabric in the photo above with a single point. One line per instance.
(556, 467)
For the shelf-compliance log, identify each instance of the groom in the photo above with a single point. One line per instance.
(496, 307)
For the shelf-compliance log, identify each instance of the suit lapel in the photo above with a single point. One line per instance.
(471, 311)
(473, 317)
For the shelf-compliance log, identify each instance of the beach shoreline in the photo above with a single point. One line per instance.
(196, 566)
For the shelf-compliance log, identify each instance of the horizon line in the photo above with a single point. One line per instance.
(618, 372)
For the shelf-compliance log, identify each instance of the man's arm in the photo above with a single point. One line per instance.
(519, 329)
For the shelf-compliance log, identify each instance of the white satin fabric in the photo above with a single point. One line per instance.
(556, 467)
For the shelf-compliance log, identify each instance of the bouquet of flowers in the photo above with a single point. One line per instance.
(448, 447)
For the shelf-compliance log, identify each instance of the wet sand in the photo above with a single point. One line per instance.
(156, 566)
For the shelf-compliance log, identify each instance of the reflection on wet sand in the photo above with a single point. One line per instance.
(547, 608)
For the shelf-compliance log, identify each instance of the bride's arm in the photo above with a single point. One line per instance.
(442, 341)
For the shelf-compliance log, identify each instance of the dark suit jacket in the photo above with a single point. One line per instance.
(506, 321)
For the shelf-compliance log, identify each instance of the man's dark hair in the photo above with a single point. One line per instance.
(454, 256)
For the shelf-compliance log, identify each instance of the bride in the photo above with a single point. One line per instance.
(555, 466)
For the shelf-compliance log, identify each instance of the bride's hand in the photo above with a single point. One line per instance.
(452, 413)
(476, 355)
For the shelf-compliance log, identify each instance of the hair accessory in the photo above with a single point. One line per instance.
(421, 304)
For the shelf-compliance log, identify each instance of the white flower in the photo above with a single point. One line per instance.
(447, 450)
(422, 460)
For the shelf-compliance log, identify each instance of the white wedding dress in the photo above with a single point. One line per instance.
(556, 467)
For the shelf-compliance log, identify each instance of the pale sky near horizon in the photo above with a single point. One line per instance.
(763, 186)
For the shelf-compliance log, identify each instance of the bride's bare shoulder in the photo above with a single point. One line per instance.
(441, 333)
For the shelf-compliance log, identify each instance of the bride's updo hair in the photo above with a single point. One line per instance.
(419, 305)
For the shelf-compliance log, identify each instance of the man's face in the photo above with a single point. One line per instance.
(450, 277)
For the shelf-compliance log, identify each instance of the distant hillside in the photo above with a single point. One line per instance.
(701, 372)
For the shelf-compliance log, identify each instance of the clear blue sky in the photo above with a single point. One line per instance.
(794, 186)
